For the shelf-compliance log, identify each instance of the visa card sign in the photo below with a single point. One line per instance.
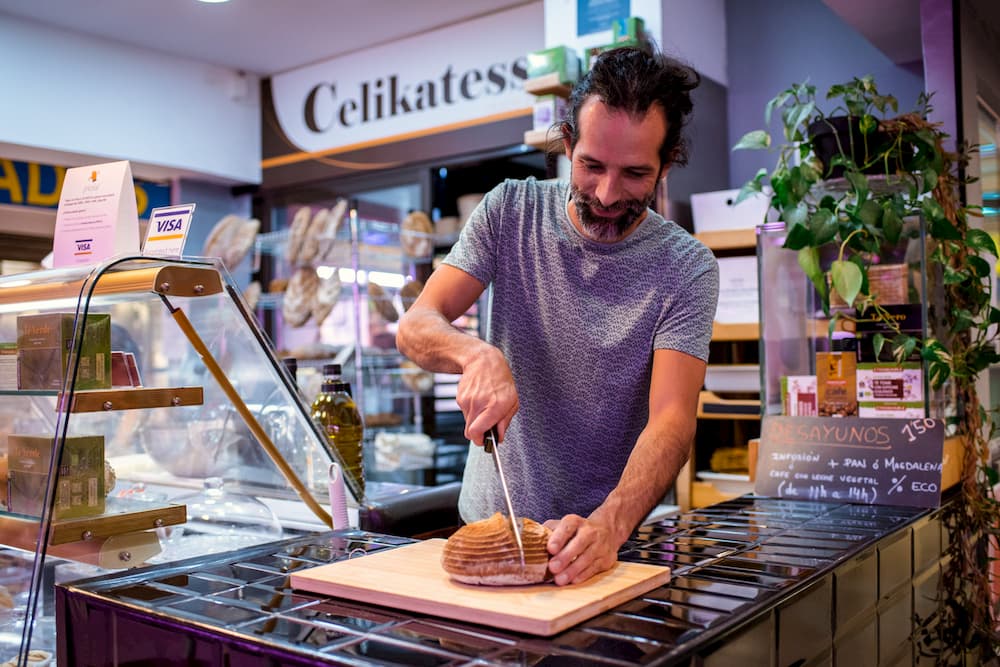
(31, 184)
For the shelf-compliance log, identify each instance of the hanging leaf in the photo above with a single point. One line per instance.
(892, 225)
(981, 241)
(754, 140)
(870, 213)
(980, 267)
(823, 226)
(878, 341)
(798, 237)
(809, 262)
(847, 279)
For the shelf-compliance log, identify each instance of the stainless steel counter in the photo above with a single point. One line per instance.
(754, 580)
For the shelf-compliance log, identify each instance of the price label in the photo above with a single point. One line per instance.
(168, 230)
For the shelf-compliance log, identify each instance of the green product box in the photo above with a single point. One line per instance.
(80, 478)
(595, 51)
(44, 343)
(559, 60)
(631, 28)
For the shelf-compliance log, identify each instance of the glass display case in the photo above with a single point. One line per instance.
(377, 257)
(145, 418)
(799, 341)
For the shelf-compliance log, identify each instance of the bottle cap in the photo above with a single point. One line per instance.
(292, 364)
(331, 369)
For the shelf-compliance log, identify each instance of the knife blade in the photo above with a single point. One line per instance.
(490, 442)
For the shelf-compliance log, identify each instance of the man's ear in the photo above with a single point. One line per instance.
(565, 130)
(663, 173)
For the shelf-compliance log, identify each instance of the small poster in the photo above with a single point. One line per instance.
(167, 231)
(597, 15)
(97, 217)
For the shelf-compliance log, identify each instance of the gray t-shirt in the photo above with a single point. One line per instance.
(577, 321)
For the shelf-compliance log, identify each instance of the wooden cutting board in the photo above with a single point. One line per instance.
(411, 578)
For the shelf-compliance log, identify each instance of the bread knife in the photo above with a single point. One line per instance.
(490, 442)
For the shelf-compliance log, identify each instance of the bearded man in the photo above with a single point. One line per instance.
(600, 321)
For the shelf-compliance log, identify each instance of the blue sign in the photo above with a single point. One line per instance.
(598, 15)
(31, 184)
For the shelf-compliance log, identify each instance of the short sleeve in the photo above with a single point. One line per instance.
(687, 322)
(475, 252)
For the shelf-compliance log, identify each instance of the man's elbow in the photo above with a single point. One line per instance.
(405, 335)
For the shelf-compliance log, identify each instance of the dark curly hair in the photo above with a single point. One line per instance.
(632, 80)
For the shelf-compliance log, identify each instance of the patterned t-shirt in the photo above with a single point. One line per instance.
(577, 321)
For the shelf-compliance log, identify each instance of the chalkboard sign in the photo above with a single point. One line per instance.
(870, 461)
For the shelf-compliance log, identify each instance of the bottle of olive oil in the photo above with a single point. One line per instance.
(335, 411)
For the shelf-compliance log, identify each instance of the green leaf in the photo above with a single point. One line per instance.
(929, 179)
(870, 213)
(942, 229)
(754, 140)
(938, 373)
(858, 182)
(994, 315)
(776, 102)
(847, 278)
(802, 114)
(981, 241)
(878, 341)
(992, 476)
(798, 238)
(867, 124)
(822, 224)
(751, 187)
(980, 267)
(961, 320)
(796, 215)
(892, 225)
(809, 262)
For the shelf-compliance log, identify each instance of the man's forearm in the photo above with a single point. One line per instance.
(659, 454)
(426, 338)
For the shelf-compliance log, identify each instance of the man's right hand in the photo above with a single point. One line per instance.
(486, 394)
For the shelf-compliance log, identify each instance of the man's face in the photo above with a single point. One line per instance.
(616, 165)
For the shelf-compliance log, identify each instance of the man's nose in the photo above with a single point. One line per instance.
(608, 191)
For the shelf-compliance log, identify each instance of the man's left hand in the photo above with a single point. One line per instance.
(580, 548)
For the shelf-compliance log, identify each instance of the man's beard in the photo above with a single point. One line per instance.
(599, 228)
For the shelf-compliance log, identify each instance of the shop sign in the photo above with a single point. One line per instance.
(871, 461)
(437, 80)
(32, 184)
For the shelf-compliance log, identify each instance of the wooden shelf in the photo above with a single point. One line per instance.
(724, 332)
(548, 85)
(539, 139)
(729, 239)
(704, 494)
(135, 398)
(711, 406)
(120, 517)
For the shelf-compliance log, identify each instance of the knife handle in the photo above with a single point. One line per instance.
(490, 440)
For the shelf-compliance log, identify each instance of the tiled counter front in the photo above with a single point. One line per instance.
(756, 582)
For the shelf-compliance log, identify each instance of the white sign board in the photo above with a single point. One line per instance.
(97, 216)
(167, 231)
(467, 73)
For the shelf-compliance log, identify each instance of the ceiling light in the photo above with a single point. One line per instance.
(213, 1)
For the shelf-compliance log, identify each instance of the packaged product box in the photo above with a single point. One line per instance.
(908, 317)
(8, 365)
(594, 51)
(80, 481)
(798, 395)
(891, 390)
(836, 384)
(626, 29)
(44, 343)
(561, 62)
(547, 110)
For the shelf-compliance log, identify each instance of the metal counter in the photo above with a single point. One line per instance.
(741, 570)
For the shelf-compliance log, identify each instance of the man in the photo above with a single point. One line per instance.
(601, 317)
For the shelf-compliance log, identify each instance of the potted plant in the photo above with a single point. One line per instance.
(851, 183)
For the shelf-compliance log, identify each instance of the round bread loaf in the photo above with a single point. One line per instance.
(221, 235)
(485, 552)
(382, 302)
(416, 233)
(326, 254)
(327, 294)
(297, 234)
(297, 304)
(409, 293)
(240, 240)
(310, 244)
(252, 294)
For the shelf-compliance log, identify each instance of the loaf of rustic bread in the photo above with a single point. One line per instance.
(485, 552)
